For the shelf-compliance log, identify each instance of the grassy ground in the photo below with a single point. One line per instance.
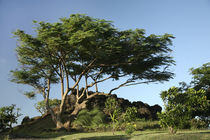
(120, 135)
(146, 130)
(141, 135)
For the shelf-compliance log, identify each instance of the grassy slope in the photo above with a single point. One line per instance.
(141, 135)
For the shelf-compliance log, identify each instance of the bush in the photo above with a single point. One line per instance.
(130, 128)
(114, 111)
(90, 120)
(130, 114)
(174, 119)
(129, 118)
(198, 124)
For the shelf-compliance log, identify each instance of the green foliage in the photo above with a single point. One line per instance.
(114, 111)
(75, 42)
(201, 80)
(119, 119)
(130, 128)
(174, 119)
(142, 124)
(92, 119)
(201, 76)
(41, 106)
(8, 116)
(129, 117)
(181, 107)
(130, 114)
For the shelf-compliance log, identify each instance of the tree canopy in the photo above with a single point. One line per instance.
(82, 48)
(201, 77)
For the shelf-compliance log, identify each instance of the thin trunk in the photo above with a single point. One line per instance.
(56, 117)
(96, 87)
(77, 92)
(61, 79)
(86, 85)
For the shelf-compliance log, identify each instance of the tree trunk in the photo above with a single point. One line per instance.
(79, 107)
(59, 124)
(57, 120)
(96, 87)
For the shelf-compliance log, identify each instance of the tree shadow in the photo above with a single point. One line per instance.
(204, 132)
(118, 137)
(158, 132)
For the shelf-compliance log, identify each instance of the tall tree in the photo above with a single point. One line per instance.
(83, 48)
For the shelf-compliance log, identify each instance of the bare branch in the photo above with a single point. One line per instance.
(121, 85)
(125, 84)
(80, 76)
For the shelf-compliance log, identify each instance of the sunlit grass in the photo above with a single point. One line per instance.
(141, 135)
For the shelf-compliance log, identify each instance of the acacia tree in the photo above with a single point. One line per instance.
(81, 48)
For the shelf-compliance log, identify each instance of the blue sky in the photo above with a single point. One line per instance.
(187, 20)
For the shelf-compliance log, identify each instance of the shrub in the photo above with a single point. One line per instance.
(91, 120)
(174, 119)
(197, 124)
(114, 111)
(130, 128)
(130, 114)
(129, 117)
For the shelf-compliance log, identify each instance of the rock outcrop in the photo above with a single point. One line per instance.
(144, 110)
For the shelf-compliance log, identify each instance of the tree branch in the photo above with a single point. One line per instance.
(80, 76)
(125, 84)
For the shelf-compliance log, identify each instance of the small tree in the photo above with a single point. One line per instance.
(8, 116)
(130, 114)
(129, 117)
(41, 106)
(114, 111)
(181, 107)
(174, 119)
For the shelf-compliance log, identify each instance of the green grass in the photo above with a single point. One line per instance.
(146, 130)
(141, 135)
(147, 125)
